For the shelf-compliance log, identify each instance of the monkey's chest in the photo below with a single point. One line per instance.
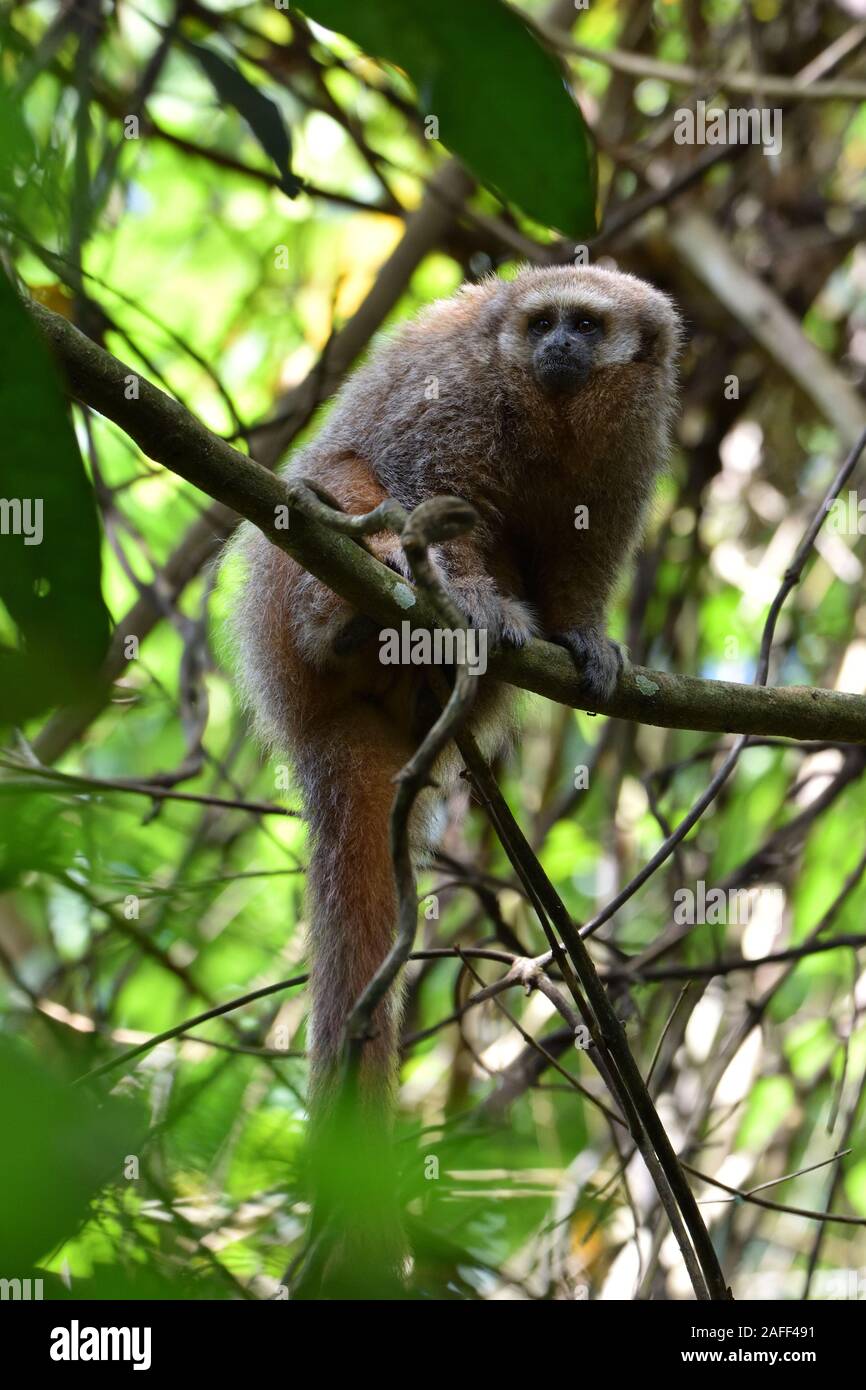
(522, 562)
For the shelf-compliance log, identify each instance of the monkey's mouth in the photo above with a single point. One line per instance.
(559, 374)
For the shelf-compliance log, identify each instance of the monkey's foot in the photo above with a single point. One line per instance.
(507, 621)
(598, 659)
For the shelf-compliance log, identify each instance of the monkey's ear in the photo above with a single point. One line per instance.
(652, 335)
(489, 309)
(660, 331)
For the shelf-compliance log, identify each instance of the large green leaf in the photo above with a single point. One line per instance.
(59, 1149)
(49, 534)
(500, 99)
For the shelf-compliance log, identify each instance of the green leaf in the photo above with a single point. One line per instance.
(38, 832)
(499, 98)
(261, 114)
(49, 533)
(61, 1148)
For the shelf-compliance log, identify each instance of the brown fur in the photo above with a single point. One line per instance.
(492, 435)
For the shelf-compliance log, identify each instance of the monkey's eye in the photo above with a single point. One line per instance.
(584, 324)
(540, 325)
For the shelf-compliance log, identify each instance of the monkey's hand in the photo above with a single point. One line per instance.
(599, 660)
(507, 621)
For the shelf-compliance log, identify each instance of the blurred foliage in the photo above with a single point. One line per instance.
(63, 1150)
(155, 215)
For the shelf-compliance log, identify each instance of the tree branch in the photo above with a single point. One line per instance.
(170, 435)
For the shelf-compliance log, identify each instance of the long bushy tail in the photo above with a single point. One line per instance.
(348, 792)
(346, 754)
(346, 751)
(347, 774)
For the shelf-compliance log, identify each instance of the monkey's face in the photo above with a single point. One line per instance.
(566, 326)
(562, 341)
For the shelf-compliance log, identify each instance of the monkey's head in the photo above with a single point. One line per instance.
(566, 325)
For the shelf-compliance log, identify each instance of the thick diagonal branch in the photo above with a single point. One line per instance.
(170, 435)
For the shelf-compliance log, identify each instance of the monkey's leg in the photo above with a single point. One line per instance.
(574, 582)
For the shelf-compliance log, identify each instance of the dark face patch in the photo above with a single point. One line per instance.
(563, 346)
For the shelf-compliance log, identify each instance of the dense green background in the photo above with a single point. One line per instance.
(123, 914)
